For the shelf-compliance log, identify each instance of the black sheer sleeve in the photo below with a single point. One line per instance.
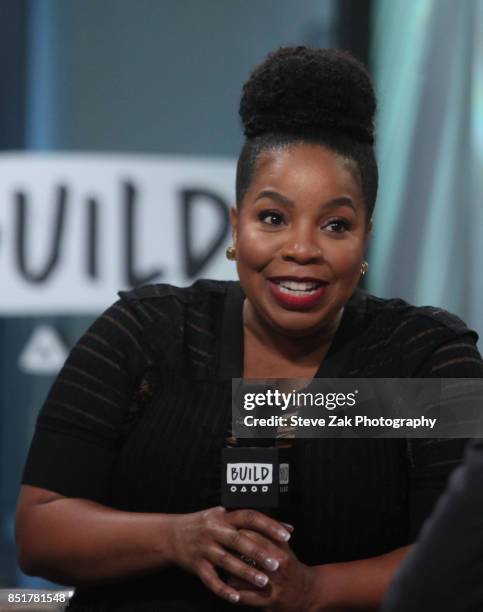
(79, 425)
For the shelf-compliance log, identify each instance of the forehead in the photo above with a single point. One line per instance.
(307, 167)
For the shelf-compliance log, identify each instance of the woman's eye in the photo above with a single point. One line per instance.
(271, 217)
(337, 225)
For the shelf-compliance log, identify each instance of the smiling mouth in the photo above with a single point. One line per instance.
(301, 288)
(298, 295)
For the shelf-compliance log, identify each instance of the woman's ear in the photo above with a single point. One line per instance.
(234, 223)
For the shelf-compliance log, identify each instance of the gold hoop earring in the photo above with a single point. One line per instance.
(230, 253)
(364, 267)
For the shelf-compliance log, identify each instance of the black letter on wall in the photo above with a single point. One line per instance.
(21, 221)
(92, 237)
(133, 277)
(195, 263)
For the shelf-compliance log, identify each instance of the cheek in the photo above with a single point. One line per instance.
(344, 257)
(253, 249)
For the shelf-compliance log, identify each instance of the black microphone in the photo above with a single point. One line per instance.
(257, 472)
(257, 477)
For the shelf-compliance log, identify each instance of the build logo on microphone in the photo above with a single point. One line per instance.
(253, 477)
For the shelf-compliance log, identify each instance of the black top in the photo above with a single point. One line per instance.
(141, 409)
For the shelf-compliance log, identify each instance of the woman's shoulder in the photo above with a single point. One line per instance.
(396, 338)
(164, 302)
(173, 318)
(407, 318)
(198, 291)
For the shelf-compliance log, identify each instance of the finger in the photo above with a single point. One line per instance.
(239, 584)
(288, 527)
(236, 567)
(262, 596)
(256, 521)
(212, 581)
(261, 541)
(214, 511)
(257, 599)
(254, 536)
(266, 555)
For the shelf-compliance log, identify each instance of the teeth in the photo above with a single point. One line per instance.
(295, 291)
(299, 285)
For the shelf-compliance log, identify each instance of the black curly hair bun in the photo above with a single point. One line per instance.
(304, 89)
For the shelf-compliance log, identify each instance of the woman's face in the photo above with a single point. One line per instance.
(300, 235)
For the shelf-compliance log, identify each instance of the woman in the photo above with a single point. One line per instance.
(120, 494)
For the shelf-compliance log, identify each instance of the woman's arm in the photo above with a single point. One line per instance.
(355, 585)
(73, 541)
(333, 587)
(76, 541)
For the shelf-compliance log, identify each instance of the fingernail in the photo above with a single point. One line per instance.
(271, 564)
(261, 579)
(234, 597)
(284, 535)
(288, 526)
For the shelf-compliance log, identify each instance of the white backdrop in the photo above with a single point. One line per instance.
(76, 228)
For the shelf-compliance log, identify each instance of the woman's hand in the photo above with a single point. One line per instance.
(215, 538)
(292, 588)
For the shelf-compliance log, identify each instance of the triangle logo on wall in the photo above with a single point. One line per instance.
(44, 353)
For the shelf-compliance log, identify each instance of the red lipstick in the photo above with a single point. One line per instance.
(298, 300)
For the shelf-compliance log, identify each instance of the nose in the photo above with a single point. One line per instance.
(302, 246)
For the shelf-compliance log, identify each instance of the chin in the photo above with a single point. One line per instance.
(296, 333)
(298, 328)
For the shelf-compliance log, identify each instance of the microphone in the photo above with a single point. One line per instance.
(257, 473)
(257, 477)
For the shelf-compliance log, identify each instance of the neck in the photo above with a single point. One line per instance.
(308, 348)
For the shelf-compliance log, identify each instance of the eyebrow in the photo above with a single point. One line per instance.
(284, 201)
